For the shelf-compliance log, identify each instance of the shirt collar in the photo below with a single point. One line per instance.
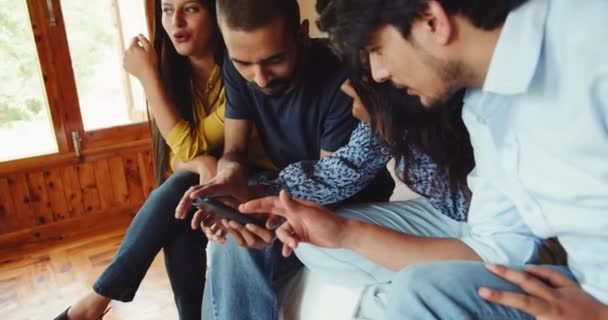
(518, 50)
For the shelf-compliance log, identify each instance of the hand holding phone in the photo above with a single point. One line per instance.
(216, 207)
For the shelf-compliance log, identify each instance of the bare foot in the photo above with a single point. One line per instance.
(89, 308)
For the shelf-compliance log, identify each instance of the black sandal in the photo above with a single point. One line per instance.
(64, 315)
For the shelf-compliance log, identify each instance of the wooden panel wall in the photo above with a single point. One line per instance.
(47, 203)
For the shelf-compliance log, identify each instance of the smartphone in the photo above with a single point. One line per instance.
(216, 207)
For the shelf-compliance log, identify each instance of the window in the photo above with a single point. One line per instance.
(63, 87)
(98, 33)
(25, 126)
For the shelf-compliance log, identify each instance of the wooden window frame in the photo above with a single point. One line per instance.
(62, 96)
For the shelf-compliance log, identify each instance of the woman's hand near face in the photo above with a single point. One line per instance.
(140, 59)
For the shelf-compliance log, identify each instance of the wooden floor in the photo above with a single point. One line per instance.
(40, 282)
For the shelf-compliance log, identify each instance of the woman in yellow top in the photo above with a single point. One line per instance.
(183, 84)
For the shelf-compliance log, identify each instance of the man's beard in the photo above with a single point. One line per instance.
(451, 74)
(276, 87)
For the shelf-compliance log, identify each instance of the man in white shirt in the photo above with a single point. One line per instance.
(536, 74)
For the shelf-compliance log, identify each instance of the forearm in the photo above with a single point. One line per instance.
(336, 177)
(321, 182)
(395, 250)
(204, 166)
(233, 158)
(163, 110)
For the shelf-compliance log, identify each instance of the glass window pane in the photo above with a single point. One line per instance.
(25, 126)
(98, 33)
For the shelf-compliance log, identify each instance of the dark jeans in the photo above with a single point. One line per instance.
(241, 283)
(155, 228)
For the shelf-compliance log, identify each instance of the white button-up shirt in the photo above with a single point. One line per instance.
(539, 129)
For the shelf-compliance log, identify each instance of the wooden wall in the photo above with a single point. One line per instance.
(65, 198)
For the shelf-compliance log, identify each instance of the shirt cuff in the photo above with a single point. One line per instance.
(505, 249)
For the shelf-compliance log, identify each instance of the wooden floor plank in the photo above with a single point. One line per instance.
(40, 282)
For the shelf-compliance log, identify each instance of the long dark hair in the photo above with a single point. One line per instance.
(177, 79)
(403, 123)
(400, 120)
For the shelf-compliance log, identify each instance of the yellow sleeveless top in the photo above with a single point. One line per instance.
(209, 108)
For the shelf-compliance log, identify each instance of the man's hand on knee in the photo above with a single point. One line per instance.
(549, 295)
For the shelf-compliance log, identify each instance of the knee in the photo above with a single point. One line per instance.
(414, 281)
(218, 257)
(312, 255)
(158, 210)
(174, 187)
(436, 290)
(227, 254)
(179, 182)
(433, 279)
(414, 293)
(307, 253)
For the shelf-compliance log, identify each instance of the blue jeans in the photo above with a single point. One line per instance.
(448, 290)
(438, 290)
(155, 228)
(346, 268)
(240, 283)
